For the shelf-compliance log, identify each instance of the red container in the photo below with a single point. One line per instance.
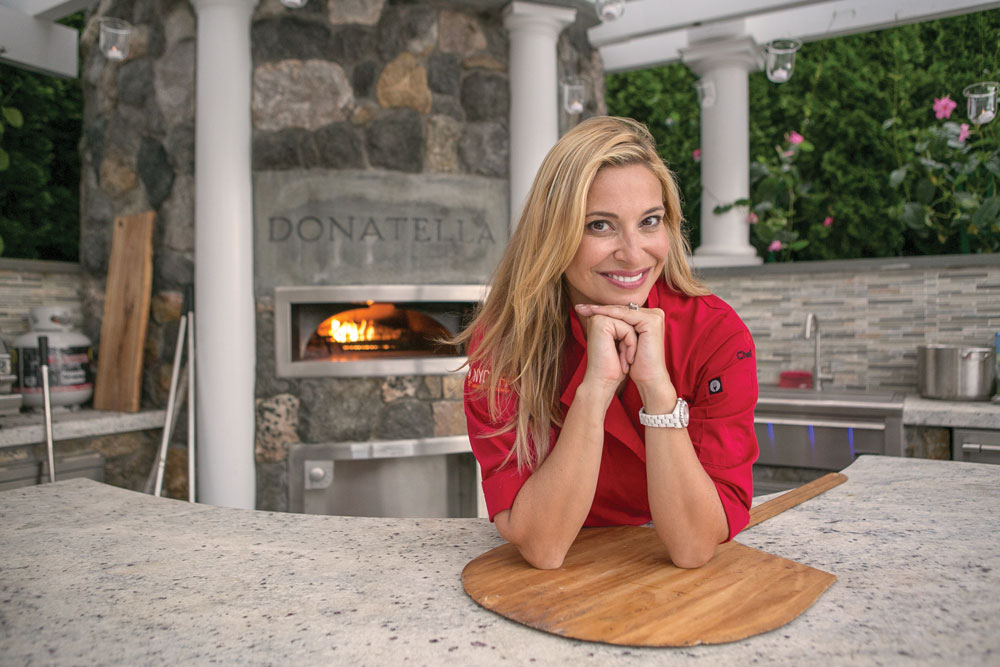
(795, 379)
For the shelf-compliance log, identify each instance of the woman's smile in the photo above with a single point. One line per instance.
(626, 279)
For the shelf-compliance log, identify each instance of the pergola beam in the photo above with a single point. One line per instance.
(809, 21)
(48, 10)
(38, 44)
(645, 17)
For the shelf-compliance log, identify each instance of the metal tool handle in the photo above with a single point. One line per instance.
(43, 357)
(168, 425)
(192, 479)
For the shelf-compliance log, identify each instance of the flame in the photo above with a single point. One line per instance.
(349, 332)
(355, 334)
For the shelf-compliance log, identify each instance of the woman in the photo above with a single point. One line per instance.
(592, 344)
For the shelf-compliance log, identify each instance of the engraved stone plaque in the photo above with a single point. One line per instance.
(315, 227)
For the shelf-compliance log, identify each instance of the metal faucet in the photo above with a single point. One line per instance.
(811, 327)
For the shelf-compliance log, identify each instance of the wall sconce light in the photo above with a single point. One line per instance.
(114, 38)
(706, 92)
(609, 10)
(574, 94)
(780, 59)
(295, 4)
(982, 98)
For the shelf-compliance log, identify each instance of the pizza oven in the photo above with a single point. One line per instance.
(371, 330)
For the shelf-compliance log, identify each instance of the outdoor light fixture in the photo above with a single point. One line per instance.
(780, 59)
(294, 4)
(609, 10)
(574, 94)
(706, 93)
(114, 38)
(982, 98)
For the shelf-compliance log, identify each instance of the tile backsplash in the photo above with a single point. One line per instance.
(872, 313)
(25, 284)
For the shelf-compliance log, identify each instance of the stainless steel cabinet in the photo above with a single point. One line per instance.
(975, 445)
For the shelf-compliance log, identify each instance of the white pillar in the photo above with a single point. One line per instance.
(724, 66)
(224, 316)
(534, 90)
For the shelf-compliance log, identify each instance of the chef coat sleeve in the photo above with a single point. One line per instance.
(501, 478)
(721, 423)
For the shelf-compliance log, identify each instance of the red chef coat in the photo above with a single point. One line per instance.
(710, 357)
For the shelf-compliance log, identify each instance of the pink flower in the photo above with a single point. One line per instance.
(775, 246)
(943, 106)
(696, 155)
(794, 138)
(828, 222)
(752, 218)
(963, 132)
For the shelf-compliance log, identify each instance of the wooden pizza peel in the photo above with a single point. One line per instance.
(618, 586)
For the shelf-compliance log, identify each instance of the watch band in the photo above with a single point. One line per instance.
(677, 419)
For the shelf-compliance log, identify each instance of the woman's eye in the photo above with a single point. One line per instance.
(652, 221)
(598, 226)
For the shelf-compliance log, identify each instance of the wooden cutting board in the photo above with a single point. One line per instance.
(617, 586)
(126, 314)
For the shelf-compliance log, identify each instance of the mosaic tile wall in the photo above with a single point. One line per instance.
(872, 314)
(26, 283)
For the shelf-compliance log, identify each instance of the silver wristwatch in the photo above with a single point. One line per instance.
(677, 419)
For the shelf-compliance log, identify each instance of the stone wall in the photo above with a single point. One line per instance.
(396, 87)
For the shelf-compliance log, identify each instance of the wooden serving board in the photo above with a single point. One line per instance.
(618, 586)
(126, 314)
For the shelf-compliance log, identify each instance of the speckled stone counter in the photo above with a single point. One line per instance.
(29, 427)
(91, 574)
(919, 411)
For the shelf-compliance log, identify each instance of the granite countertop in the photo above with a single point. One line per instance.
(92, 574)
(28, 428)
(918, 411)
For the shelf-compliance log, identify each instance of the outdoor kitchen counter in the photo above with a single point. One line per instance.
(92, 574)
(919, 411)
(29, 427)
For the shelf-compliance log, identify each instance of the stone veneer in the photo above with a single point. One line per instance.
(873, 314)
(382, 85)
(26, 283)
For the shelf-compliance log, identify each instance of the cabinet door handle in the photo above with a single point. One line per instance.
(977, 447)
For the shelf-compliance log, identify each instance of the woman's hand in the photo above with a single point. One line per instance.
(646, 365)
(611, 349)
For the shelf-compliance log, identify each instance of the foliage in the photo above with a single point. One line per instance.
(776, 188)
(39, 190)
(842, 92)
(949, 182)
(9, 116)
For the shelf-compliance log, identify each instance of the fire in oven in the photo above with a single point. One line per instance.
(371, 330)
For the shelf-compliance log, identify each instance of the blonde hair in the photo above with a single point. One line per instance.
(520, 330)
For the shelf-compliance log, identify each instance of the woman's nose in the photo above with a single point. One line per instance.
(629, 248)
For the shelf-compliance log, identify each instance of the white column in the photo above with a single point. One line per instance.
(724, 65)
(224, 317)
(534, 90)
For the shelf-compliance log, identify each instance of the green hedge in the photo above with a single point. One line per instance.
(842, 93)
(40, 188)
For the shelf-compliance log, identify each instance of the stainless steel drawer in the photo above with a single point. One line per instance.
(975, 445)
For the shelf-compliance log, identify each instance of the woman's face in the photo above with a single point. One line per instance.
(625, 240)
